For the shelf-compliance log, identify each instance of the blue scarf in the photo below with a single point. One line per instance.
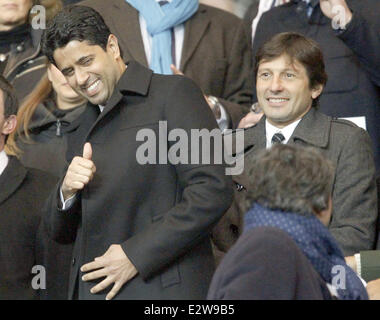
(159, 22)
(316, 242)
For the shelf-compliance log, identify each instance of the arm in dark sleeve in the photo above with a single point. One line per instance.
(362, 36)
(61, 225)
(205, 192)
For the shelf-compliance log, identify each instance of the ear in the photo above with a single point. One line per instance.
(9, 125)
(316, 91)
(113, 46)
(325, 215)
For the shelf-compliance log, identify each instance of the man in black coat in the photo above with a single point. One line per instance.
(351, 48)
(140, 216)
(22, 194)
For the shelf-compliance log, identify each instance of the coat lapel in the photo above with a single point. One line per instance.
(313, 129)
(195, 29)
(11, 179)
(126, 22)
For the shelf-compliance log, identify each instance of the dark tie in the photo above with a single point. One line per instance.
(161, 3)
(277, 138)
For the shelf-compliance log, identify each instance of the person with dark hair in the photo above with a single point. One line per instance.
(39, 141)
(21, 61)
(286, 250)
(347, 32)
(140, 228)
(43, 120)
(22, 195)
(206, 44)
(290, 77)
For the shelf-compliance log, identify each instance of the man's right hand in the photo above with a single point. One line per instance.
(80, 173)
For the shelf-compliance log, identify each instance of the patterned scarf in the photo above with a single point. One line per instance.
(159, 22)
(316, 242)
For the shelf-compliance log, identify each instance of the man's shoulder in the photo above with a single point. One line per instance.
(221, 17)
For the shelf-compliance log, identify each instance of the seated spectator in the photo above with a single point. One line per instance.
(290, 77)
(43, 120)
(286, 249)
(22, 195)
(347, 32)
(21, 61)
(40, 142)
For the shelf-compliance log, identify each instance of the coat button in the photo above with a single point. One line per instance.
(239, 187)
(73, 261)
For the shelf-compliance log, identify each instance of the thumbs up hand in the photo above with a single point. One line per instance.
(80, 172)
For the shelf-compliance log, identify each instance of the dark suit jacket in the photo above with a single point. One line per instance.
(354, 214)
(22, 195)
(351, 58)
(216, 51)
(161, 214)
(266, 264)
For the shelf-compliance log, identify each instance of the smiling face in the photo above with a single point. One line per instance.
(91, 71)
(283, 90)
(13, 13)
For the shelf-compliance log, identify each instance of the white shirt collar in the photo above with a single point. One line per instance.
(3, 161)
(287, 131)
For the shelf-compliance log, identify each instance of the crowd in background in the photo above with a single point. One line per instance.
(223, 53)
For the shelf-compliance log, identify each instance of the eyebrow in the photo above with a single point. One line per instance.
(283, 70)
(81, 61)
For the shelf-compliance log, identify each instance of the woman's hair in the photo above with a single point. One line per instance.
(25, 113)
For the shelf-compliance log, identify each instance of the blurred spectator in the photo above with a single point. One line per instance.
(22, 195)
(286, 248)
(210, 46)
(21, 61)
(43, 119)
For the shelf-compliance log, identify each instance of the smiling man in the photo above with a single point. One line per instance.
(140, 231)
(290, 77)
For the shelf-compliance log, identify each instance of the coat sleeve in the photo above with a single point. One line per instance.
(354, 215)
(204, 192)
(362, 36)
(370, 264)
(238, 81)
(61, 225)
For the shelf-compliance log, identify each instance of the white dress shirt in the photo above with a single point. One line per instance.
(3, 161)
(287, 131)
(179, 34)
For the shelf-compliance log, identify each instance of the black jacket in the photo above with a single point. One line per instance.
(26, 65)
(161, 214)
(266, 264)
(47, 149)
(22, 196)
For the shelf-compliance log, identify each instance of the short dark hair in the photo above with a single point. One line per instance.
(74, 22)
(9, 97)
(297, 47)
(290, 178)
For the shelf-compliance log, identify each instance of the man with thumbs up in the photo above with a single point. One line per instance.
(140, 231)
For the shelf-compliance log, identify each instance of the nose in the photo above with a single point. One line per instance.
(81, 76)
(276, 84)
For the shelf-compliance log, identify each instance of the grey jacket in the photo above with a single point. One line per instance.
(354, 217)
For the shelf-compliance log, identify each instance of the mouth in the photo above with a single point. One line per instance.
(92, 89)
(277, 101)
(10, 6)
